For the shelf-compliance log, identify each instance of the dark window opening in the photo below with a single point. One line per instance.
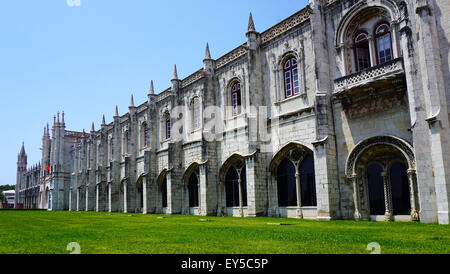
(376, 190)
(286, 184)
(193, 190)
(232, 187)
(308, 182)
(362, 52)
(164, 192)
(400, 189)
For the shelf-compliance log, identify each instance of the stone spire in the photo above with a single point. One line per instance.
(117, 112)
(22, 150)
(103, 120)
(208, 62)
(93, 127)
(207, 53)
(132, 101)
(251, 24)
(63, 123)
(57, 121)
(152, 88)
(175, 73)
(22, 158)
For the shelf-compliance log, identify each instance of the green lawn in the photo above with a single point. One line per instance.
(51, 232)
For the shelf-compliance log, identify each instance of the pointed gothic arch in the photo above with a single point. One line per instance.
(293, 178)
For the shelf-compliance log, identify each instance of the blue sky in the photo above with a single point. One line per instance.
(86, 59)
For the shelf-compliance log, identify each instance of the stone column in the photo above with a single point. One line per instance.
(356, 197)
(241, 201)
(109, 198)
(413, 195)
(199, 194)
(144, 195)
(372, 50)
(394, 40)
(125, 197)
(78, 199)
(299, 193)
(96, 198)
(87, 199)
(387, 197)
(70, 200)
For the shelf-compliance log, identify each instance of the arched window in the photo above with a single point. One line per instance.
(383, 43)
(167, 125)
(193, 190)
(111, 149)
(232, 187)
(291, 83)
(88, 156)
(196, 115)
(125, 143)
(236, 98)
(99, 151)
(144, 135)
(362, 52)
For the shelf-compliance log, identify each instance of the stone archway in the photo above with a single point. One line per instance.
(292, 181)
(233, 185)
(376, 167)
(191, 190)
(162, 201)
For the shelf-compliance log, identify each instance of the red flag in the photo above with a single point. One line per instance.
(47, 168)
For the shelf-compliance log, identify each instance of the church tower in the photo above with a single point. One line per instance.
(21, 170)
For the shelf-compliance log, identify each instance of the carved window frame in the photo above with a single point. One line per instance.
(378, 36)
(280, 76)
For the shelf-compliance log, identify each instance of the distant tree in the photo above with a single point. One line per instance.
(5, 187)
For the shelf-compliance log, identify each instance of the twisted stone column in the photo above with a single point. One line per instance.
(387, 197)
(413, 195)
(299, 194)
(354, 180)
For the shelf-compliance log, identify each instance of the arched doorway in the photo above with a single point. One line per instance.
(234, 186)
(161, 193)
(191, 190)
(293, 181)
(382, 172)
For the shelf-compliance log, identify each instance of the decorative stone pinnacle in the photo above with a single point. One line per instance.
(132, 101)
(207, 53)
(175, 73)
(117, 111)
(103, 120)
(251, 24)
(93, 127)
(152, 88)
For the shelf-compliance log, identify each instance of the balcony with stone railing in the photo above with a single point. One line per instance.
(370, 77)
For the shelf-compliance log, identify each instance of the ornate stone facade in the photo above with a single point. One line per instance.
(340, 111)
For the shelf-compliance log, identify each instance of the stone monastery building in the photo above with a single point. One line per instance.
(340, 111)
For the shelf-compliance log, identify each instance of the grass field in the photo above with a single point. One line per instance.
(117, 233)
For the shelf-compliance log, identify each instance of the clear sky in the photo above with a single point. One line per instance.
(86, 59)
